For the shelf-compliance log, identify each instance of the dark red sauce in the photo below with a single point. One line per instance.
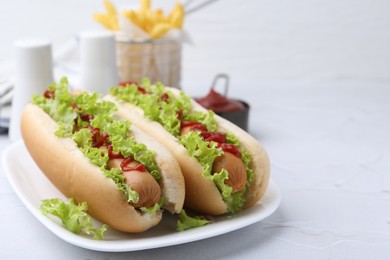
(179, 114)
(219, 103)
(194, 126)
(74, 105)
(49, 94)
(208, 136)
(140, 89)
(164, 97)
(98, 139)
(125, 165)
(229, 148)
(125, 83)
(113, 155)
(143, 91)
(86, 117)
(214, 136)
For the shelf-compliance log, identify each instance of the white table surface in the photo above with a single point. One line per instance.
(330, 155)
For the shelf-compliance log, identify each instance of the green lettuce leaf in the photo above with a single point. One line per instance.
(59, 108)
(235, 201)
(154, 107)
(219, 180)
(204, 152)
(63, 130)
(83, 138)
(121, 142)
(119, 179)
(186, 222)
(246, 157)
(73, 216)
(207, 119)
(97, 156)
(154, 209)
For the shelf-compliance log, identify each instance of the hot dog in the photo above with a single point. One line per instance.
(125, 176)
(225, 168)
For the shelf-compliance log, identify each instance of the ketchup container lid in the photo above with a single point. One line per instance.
(234, 110)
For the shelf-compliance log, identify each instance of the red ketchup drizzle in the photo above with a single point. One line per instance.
(98, 139)
(164, 97)
(143, 91)
(229, 148)
(111, 153)
(140, 89)
(179, 114)
(74, 105)
(194, 126)
(49, 94)
(217, 137)
(125, 83)
(198, 127)
(125, 167)
(86, 117)
(214, 136)
(94, 131)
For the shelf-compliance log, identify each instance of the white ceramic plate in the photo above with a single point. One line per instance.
(32, 186)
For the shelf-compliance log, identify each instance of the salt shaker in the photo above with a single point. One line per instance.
(33, 74)
(97, 61)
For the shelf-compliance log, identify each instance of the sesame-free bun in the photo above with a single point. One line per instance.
(202, 194)
(76, 177)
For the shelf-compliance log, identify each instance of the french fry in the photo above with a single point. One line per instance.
(145, 5)
(176, 17)
(160, 30)
(110, 8)
(114, 23)
(177, 20)
(142, 18)
(161, 17)
(178, 8)
(103, 19)
(108, 22)
(108, 19)
(153, 22)
(157, 16)
(132, 17)
(149, 21)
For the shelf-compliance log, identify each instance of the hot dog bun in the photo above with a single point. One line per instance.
(202, 194)
(74, 175)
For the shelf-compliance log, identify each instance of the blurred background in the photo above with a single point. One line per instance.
(253, 41)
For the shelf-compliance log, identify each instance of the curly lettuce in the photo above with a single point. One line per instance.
(73, 217)
(186, 222)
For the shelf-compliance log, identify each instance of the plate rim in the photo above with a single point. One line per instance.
(176, 238)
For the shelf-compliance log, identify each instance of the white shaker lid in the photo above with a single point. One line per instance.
(33, 59)
(97, 49)
(98, 71)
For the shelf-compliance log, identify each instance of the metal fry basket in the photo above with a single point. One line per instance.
(159, 60)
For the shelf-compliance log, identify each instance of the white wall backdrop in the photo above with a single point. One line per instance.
(250, 40)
